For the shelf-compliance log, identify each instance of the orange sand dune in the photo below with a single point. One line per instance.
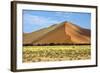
(65, 32)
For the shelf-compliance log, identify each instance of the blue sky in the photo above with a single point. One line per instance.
(34, 20)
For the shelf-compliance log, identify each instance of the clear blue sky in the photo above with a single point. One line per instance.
(35, 20)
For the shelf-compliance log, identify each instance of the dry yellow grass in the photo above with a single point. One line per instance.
(56, 53)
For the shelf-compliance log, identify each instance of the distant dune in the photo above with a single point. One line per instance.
(64, 32)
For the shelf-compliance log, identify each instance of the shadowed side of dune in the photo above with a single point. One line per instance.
(78, 35)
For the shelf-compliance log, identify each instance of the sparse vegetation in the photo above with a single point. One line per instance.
(56, 53)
